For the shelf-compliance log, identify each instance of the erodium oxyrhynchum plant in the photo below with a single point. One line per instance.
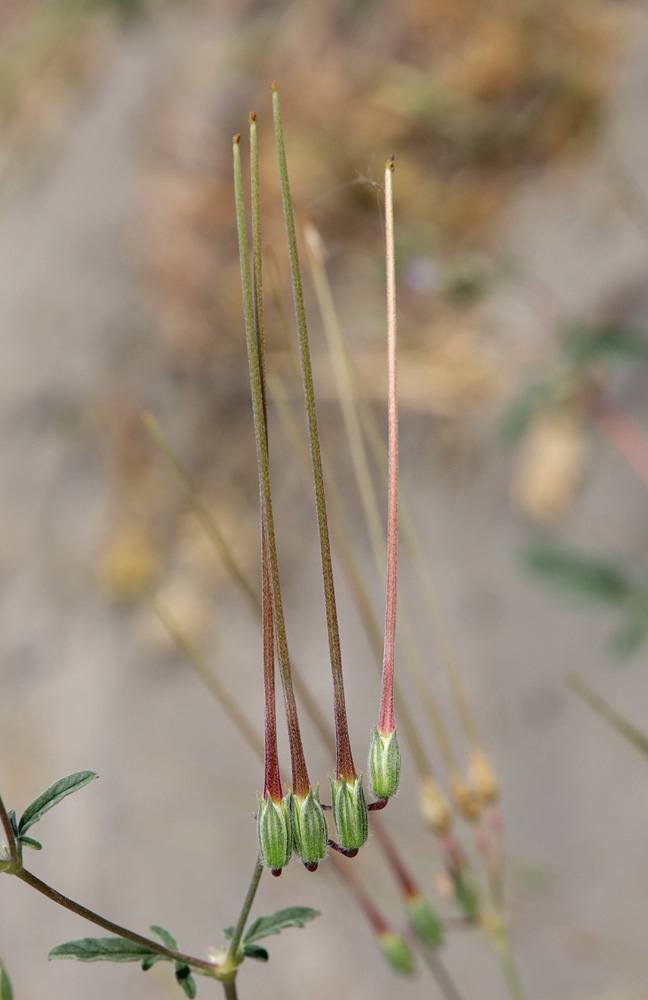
(293, 819)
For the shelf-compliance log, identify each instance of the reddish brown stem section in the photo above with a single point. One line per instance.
(272, 783)
(377, 921)
(406, 882)
(108, 925)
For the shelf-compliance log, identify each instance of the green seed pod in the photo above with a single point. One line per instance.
(309, 827)
(425, 920)
(397, 952)
(274, 832)
(384, 764)
(350, 814)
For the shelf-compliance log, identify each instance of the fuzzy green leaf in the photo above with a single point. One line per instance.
(165, 937)
(150, 960)
(106, 949)
(52, 796)
(30, 842)
(185, 979)
(633, 735)
(291, 916)
(256, 952)
(6, 992)
(585, 578)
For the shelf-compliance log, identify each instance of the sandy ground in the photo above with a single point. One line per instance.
(167, 835)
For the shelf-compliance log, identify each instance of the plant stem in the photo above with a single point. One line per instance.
(14, 854)
(345, 388)
(203, 513)
(232, 951)
(348, 875)
(272, 776)
(229, 988)
(344, 761)
(625, 728)
(233, 568)
(300, 774)
(437, 621)
(257, 272)
(442, 977)
(509, 968)
(405, 881)
(228, 704)
(439, 629)
(386, 714)
(207, 968)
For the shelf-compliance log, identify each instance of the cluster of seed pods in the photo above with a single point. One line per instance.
(295, 821)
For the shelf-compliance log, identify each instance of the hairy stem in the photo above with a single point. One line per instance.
(228, 704)
(207, 968)
(232, 951)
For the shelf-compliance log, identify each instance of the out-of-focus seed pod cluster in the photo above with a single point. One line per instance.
(397, 952)
(434, 807)
(425, 920)
(483, 778)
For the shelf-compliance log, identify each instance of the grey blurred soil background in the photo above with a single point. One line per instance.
(167, 835)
